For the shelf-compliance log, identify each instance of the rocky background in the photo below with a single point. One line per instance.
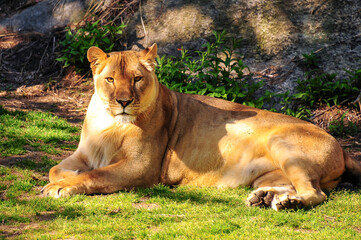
(274, 34)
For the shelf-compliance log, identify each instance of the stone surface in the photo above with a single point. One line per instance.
(275, 33)
(45, 16)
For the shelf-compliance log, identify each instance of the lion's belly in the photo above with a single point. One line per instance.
(227, 156)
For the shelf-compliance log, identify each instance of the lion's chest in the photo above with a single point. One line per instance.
(101, 151)
(110, 146)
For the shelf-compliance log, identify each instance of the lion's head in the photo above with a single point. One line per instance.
(125, 82)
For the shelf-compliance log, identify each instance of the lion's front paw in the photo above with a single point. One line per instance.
(59, 189)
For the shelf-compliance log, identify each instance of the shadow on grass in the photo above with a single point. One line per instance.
(37, 161)
(182, 194)
(46, 210)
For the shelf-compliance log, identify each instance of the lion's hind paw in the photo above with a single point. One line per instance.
(260, 198)
(286, 201)
(275, 197)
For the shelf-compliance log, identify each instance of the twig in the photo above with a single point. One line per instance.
(141, 19)
(318, 7)
(26, 63)
(124, 9)
(26, 47)
(358, 100)
(53, 44)
(323, 112)
(42, 57)
(81, 79)
(57, 3)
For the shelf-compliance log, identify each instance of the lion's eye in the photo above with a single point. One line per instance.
(109, 80)
(137, 79)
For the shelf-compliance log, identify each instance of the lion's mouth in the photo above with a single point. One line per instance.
(123, 113)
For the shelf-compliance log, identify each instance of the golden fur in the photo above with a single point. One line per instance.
(137, 133)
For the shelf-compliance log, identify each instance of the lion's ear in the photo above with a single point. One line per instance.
(96, 55)
(148, 56)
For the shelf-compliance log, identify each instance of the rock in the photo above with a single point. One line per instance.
(45, 16)
(275, 33)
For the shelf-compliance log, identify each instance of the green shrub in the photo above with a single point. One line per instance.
(76, 43)
(311, 60)
(289, 106)
(325, 89)
(342, 127)
(217, 72)
(318, 90)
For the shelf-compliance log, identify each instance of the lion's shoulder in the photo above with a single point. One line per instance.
(213, 102)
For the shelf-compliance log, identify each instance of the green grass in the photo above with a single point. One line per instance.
(162, 212)
(180, 213)
(33, 131)
(156, 213)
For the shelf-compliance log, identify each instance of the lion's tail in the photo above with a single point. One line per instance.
(353, 170)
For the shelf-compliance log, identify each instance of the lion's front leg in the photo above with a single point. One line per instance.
(114, 177)
(61, 176)
(69, 167)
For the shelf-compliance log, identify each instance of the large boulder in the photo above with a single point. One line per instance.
(275, 33)
(45, 16)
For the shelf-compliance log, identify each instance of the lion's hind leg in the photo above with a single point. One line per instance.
(279, 191)
(274, 190)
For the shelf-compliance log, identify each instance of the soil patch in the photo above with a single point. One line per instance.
(69, 103)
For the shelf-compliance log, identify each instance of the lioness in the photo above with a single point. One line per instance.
(138, 133)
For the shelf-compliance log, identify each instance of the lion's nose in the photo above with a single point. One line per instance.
(124, 102)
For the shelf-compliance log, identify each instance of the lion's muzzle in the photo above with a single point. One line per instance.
(125, 102)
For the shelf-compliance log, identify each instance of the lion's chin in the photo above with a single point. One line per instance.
(125, 119)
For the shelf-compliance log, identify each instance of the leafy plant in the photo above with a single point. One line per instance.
(217, 72)
(77, 42)
(289, 106)
(355, 77)
(325, 89)
(311, 60)
(318, 90)
(342, 127)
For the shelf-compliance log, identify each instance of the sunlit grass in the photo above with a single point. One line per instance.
(184, 212)
(38, 131)
(155, 213)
